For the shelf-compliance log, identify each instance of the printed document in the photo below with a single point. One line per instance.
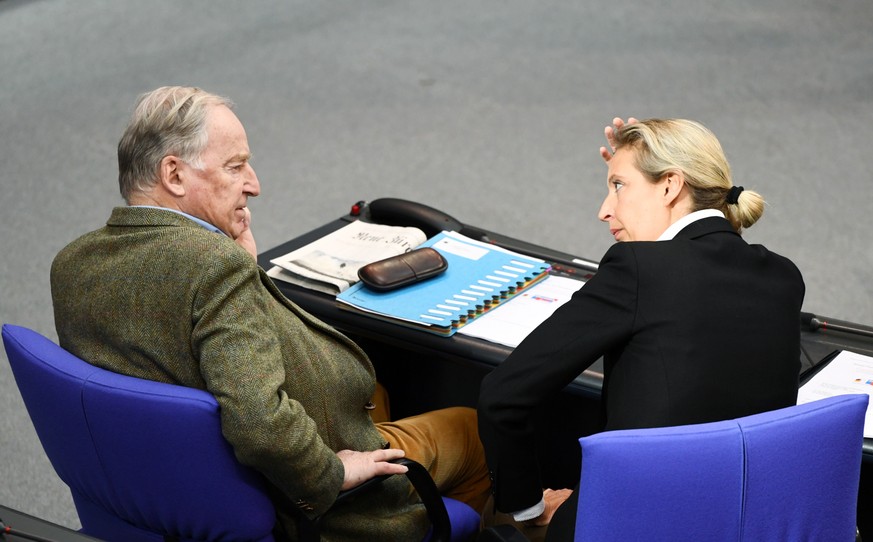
(330, 264)
(847, 373)
(510, 323)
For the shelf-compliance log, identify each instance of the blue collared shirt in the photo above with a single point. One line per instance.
(203, 223)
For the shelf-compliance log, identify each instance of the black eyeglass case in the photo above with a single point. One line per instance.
(403, 269)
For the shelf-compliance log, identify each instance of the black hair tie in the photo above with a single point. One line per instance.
(734, 194)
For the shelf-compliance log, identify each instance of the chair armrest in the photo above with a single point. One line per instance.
(430, 496)
(309, 529)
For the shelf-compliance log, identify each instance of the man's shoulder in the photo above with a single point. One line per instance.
(142, 224)
(151, 217)
(163, 234)
(80, 245)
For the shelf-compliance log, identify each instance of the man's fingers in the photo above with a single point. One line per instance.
(390, 468)
(361, 466)
(387, 454)
(382, 458)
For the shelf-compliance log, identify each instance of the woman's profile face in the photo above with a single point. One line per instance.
(634, 206)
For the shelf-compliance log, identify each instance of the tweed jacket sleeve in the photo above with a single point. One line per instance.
(242, 364)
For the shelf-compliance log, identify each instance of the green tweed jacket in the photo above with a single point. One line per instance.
(156, 296)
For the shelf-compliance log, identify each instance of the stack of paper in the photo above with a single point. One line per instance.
(848, 372)
(330, 264)
(530, 308)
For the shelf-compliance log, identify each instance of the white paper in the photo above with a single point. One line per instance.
(324, 284)
(513, 320)
(330, 264)
(847, 373)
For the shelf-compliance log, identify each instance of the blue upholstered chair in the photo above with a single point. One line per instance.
(789, 474)
(146, 460)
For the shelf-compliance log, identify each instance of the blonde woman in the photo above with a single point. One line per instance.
(693, 323)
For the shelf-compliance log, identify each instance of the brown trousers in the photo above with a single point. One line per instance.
(446, 442)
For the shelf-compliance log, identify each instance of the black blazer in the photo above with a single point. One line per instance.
(701, 328)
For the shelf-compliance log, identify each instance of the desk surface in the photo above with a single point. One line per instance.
(458, 346)
(33, 528)
(814, 345)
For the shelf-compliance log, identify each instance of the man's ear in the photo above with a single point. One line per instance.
(675, 182)
(172, 175)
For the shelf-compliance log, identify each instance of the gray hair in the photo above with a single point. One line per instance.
(166, 121)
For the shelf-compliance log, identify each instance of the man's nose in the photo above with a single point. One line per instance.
(252, 184)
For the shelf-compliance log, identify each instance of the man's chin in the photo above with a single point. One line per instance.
(237, 229)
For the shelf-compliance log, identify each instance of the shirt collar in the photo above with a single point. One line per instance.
(677, 226)
(199, 221)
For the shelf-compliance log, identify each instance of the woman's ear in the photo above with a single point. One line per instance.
(675, 182)
(172, 175)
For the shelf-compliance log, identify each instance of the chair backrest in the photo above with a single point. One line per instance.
(789, 474)
(143, 459)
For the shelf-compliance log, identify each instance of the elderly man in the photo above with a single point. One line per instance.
(170, 290)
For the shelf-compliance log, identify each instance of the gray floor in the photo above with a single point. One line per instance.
(491, 110)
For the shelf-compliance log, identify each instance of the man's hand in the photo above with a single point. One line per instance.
(609, 132)
(246, 239)
(361, 466)
(553, 498)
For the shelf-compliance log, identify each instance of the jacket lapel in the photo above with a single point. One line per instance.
(308, 318)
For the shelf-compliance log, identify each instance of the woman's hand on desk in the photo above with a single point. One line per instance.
(609, 132)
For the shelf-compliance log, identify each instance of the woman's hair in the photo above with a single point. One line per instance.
(166, 121)
(665, 145)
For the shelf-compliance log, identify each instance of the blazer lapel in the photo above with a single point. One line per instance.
(308, 318)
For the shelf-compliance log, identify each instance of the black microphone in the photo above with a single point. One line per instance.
(823, 323)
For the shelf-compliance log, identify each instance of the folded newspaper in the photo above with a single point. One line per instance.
(331, 264)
